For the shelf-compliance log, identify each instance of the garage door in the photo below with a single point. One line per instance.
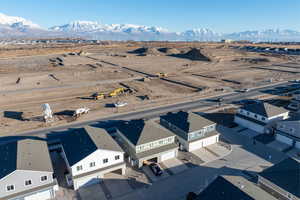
(39, 196)
(86, 182)
(248, 124)
(195, 145)
(209, 141)
(167, 155)
(284, 139)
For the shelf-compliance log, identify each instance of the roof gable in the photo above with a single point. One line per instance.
(140, 132)
(285, 174)
(264, 109)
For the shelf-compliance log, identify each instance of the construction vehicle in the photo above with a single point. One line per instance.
(161, 74)
(116, 92)
(80, 111)
(98, 95)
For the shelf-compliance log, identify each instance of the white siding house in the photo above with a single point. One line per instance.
(90, 153)
(288, 131)
(260, 117)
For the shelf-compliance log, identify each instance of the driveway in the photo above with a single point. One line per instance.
(279, 146)
(116, 184)
(174, 166)
(205, 155)
(92, 192)
(152, 177)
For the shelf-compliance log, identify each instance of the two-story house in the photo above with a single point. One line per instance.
(192, 130)
(26, 171)
(282, 179)
(146, 140)
(288, 131)
(260, 117)
(90, 153)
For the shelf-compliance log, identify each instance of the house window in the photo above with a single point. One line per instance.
(10, 188)
(92, 164)
(28, 182)
(292, 130)
(44, 178)
(263, 118)
(248, 113)
(255, 116)
(79, 168)
(117, 157)
(105, 160)
(160, 142)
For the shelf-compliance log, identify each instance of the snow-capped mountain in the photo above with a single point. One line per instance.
(266, 35)
(90, 26)
(16, 22)
(18, 27)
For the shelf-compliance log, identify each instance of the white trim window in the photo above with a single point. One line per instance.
(79, 167)
(10, 188)
(44, 178)
(28, 182)
(105, 160)
(92, 164)
(117, 157)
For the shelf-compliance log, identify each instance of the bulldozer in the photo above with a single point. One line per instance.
(98, 95)
(161, 74)
(116, 92)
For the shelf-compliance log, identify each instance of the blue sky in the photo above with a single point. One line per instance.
(175, 15)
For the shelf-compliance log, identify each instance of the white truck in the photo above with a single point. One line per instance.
(80, 111)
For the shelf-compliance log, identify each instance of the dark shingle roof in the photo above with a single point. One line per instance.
(222, 189)
(140, 132)
(25, 154)
(187, 121)
(81, 142)
(285, 174)
(264, 109)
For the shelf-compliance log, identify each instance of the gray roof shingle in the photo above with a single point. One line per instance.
(187, 121)
(140, 132)
(264, 109)
(28, 154)
(81, 142)
(285, 174)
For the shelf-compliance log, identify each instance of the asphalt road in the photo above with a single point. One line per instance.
(155, 112)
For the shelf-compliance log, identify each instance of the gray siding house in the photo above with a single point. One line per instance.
(146, 140)
(288, 131)
(192, 130)
(26, 171)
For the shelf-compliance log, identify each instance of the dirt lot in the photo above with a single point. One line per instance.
(58, 75)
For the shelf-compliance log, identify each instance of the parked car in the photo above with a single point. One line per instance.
(156, 169)
(244, 90)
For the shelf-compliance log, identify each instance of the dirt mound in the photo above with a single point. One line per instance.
(146, 51)
(193, 54)
(253, 60)
(169, 51)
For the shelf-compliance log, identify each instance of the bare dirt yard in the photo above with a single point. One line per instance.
(156, 74)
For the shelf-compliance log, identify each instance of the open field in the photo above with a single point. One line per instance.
(31, 76)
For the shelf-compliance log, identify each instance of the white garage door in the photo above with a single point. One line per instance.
(167, 155)
(195, 145)
(39, 196)
(86, 182)
(209, 141)
(284, 139)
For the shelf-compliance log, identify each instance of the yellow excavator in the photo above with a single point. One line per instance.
(116, 92)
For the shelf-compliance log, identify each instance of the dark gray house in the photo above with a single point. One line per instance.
(146, 140)
(192, 130)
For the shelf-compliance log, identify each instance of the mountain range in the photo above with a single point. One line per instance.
(18, 27)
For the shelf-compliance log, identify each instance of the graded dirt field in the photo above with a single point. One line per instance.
(67, 76)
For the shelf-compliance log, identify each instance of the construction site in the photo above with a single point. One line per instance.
(70, 82)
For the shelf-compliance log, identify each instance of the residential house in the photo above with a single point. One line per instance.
(288, 131)
(192, 130)
(282, 179)
(260, 117)
(295, 101)
(90, 153)
(26, 171)
(233, 188)
(146, 140)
